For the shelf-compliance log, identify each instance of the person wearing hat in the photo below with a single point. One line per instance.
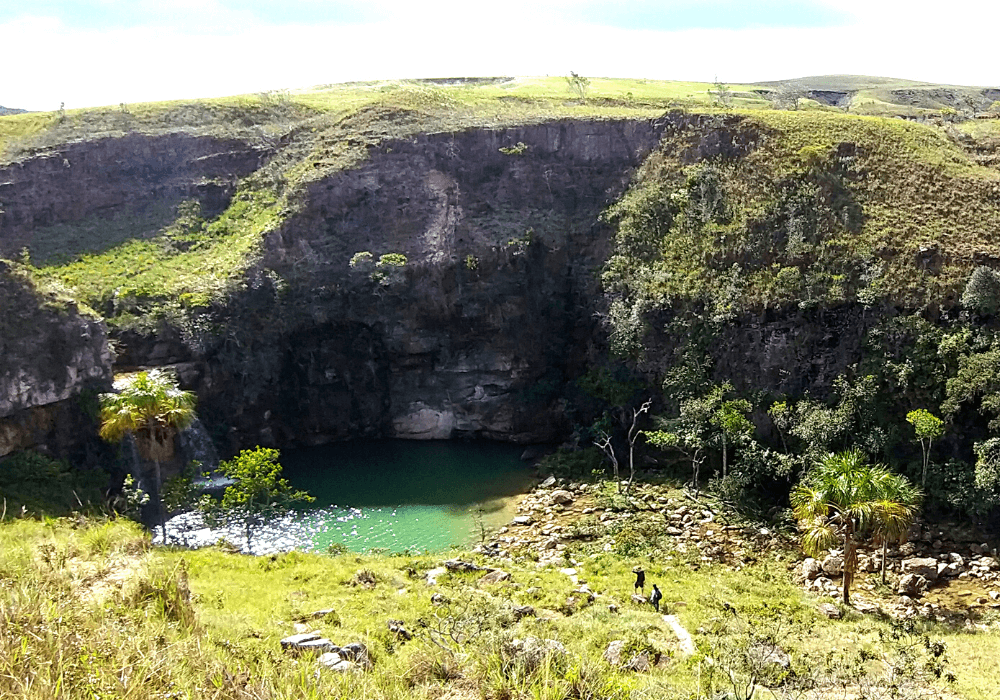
(640, 579)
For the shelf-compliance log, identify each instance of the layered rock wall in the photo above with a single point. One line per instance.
(49, 353)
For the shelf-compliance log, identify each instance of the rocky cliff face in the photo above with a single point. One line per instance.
(474, 337)
(49, 354)
(112, 175)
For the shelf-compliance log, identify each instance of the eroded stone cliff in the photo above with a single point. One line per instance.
(50, 352)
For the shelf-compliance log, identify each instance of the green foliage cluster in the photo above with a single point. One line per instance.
(31, 483)
(799, 213)
(258, 496)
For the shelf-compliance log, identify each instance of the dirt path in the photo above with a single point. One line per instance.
(683, 636)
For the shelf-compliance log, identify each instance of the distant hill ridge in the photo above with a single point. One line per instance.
(10, 110)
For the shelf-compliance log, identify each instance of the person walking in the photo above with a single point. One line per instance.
(640, 580)
(655, 598)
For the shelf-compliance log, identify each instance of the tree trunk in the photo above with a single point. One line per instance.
(885, 548)
(159, 502)
(927, 455)
(850, 562)
(724, 463)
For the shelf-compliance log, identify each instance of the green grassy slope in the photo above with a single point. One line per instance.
(88, 609)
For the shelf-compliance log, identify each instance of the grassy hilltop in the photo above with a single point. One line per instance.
(166, 255)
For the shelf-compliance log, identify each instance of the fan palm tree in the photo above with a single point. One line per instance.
(153, 409)
(843, 499)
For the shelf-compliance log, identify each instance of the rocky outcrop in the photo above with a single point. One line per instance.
(476, 336)
(128, 174)
(50, 352)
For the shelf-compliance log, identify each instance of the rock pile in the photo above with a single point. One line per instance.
(351, 657)
(558, 512)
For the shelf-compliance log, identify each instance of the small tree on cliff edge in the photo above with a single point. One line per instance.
(153, 409)
(258, 495)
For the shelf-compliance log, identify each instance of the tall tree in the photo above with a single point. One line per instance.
(732, 422)
(153, 409)
(844, 499)
(928, 428)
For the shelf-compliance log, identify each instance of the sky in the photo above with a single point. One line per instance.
(88, 53)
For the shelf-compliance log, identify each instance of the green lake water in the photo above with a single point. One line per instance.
(402, 494)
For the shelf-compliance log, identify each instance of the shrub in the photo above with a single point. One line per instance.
(982, 292)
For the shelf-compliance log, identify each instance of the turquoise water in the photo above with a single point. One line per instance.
(405, 495)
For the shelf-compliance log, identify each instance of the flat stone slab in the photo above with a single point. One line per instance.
(297, 640)
(333, 662)
(319, 646)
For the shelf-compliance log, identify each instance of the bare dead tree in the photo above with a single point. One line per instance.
(633, 435)
(604, 442)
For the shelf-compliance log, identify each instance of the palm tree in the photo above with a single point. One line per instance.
(843, 498)
(152, 408)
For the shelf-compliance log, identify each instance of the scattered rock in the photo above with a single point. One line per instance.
(563, 498)
(335, 662)
(640, 599)
(833, 565)
(433, 574)
(830, 610)
(548, 483)
(399, 629)
(864, 607)
(356, 652)
(532, 651)
(522, 520)
(811, 569)
(494, 577)
(521, 611)
(767, 654)
(322, 613)
(459, 565)
(921, 566)
(438, 599)
(317, 646)
(913, 585)
(294, 641)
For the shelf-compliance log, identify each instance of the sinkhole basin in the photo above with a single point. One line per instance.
(394, 495)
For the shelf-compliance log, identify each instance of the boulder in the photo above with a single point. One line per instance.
(830, 610)
(640, 600)
(811, 569)
(913, 585)
(833, 565)
(532, 651)
(335, 662)
(317, 646)
(522, 520)
(921, 566)
(563, 498)
(548, 483)
(459, 565)
(493, 577)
